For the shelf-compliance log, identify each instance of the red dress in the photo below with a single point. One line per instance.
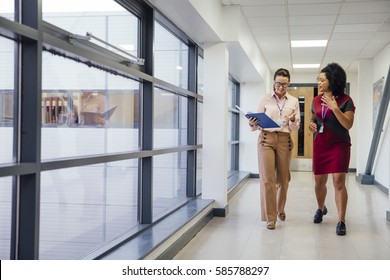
(332, 147)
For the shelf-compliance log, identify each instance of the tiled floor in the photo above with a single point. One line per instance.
(242, 235)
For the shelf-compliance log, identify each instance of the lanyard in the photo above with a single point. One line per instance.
(277, 103)
(323, 112)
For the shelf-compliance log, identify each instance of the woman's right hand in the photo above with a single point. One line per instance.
(312, 127)
(253, 122)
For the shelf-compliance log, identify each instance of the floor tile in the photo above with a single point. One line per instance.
(242, 235)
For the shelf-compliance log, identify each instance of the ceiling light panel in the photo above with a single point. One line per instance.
(308, 43)
(300, 66)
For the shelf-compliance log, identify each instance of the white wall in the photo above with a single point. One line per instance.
(363, 115)
(374, 69)
(370, 71)
(250, 97)
(381, 64)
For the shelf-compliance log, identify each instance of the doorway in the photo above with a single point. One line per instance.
(302, 153)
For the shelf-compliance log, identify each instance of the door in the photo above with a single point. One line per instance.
(302, 153)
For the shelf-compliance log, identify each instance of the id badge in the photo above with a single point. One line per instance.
(321, 129)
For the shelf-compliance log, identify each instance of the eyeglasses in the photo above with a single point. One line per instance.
(319, 80)
(277, 84)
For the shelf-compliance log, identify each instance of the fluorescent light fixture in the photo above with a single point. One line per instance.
(178, 67)
(306, 65)
(308, 43)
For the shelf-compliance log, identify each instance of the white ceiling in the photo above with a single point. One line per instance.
(355, 29)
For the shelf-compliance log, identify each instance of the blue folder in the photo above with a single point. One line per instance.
(264, 120)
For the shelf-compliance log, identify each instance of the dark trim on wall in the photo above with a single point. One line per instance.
(381, 187)
(221, 212)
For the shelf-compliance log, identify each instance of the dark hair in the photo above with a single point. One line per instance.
(282, 72)
(337, 78)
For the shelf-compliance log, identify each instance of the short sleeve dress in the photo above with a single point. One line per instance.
(332, 146)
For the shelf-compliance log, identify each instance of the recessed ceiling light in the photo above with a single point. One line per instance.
(308, 43)
(306, 65)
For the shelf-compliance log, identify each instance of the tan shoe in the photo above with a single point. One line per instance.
(271, 225)
(282, 216)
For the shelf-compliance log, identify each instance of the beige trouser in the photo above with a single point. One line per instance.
(274, 156)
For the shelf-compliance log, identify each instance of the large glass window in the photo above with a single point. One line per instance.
(83, 207)
(91, 106)
(7, 94)
(5, 217)
(105, 20)
(200, 75)
(200, 124)
(86, 111)
(170, 119)
(199, 170)
(233, 126)
(169, 182)
(170, 58)
(7, 9)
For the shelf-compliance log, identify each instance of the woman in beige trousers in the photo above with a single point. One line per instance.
(274, 147)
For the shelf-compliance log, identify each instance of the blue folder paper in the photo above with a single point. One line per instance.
(264, 120)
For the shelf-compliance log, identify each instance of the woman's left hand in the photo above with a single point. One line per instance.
(330, 102)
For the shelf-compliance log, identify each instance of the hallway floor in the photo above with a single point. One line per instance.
(241, 235)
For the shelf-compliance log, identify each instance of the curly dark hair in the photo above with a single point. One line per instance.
(337, 78)
(282, 72)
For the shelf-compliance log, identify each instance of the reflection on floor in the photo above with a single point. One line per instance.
(242, 235)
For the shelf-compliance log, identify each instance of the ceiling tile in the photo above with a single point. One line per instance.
(308, 54)
(267, 21)
(362, 18)
(292, 2)
(364, 1)
(311, 36)
(382, 35)
(270, 30)
(299, 29)
(273, 38)
(313, 20)
(264, 11)
(313, 9)
(277, 63)
(342, 53)
(273, 42)
(352, 36)
(346, 45)
(384, 27)
(366, 7)
(256, 2)
(367, 27)
(270, 47)
(372, 48)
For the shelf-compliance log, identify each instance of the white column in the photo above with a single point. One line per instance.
(215, 119)
(364, 114)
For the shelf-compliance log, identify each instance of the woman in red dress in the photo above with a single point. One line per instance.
(333, 114)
